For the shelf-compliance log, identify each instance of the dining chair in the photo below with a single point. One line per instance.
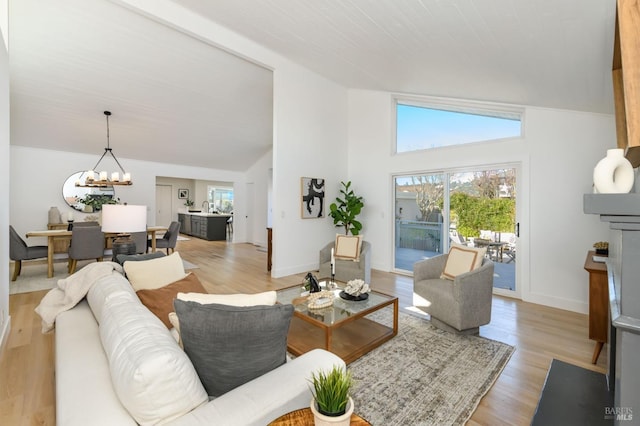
(19, 251)
(141, 239)
(169, 239)
(87, 242)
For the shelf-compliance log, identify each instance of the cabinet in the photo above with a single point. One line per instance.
(598, 303)
(185, 224)
(208, 227)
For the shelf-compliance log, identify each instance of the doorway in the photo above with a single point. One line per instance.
(164, 213)
(475, 207)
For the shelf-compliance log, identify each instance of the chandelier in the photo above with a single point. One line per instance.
(102, 179)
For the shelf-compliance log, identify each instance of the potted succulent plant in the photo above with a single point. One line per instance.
(345, 210)
(331, 404)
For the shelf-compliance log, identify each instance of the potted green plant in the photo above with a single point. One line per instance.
(331, 403)
(94, 202)
(345, 210)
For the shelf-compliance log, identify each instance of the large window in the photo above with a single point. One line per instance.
(421, 126)
(220, 199)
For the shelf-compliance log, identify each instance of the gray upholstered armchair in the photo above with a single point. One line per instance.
(347, 269)
(461, 305)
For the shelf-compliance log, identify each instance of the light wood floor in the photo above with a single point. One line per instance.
(27, 383)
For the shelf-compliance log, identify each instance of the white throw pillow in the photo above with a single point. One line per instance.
(348, 247)
(107, 288)
(153, 378)
(482, 251)
(265, 298)
(155, 273)
(462, 259)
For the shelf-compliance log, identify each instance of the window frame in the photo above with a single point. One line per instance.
(488, 109)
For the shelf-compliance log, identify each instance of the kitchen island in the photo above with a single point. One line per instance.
(208, 226)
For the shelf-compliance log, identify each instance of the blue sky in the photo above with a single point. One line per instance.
(422, 128)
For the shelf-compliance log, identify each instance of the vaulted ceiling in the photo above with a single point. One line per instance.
(176, 99)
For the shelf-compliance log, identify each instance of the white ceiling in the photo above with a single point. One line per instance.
(175, 99)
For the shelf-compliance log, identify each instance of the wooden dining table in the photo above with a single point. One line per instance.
(54, 235)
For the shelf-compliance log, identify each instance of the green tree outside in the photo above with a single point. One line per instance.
(471, 214)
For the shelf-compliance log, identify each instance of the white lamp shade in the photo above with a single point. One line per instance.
(119, 218)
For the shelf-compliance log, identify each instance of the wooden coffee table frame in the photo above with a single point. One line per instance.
(349, 337)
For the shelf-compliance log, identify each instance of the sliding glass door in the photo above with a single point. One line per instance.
(419, 223)
(475, 208)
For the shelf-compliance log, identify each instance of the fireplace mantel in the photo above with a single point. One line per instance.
(622, 212)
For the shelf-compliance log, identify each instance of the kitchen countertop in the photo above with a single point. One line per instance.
(207, 214)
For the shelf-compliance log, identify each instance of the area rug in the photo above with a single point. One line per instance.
(425, 376)
(33, 276)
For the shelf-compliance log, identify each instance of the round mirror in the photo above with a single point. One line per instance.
(87, 200)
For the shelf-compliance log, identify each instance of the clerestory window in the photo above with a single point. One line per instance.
(422, 126)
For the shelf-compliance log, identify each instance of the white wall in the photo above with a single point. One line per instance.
(4, 178)
(37, 176)
(310, 134)
(557, 156)
(312, 144)
(259, 175)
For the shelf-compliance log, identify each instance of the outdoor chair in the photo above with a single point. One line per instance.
(19, 251)
(509, 249)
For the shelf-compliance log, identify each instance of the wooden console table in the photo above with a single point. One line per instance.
(598, 303)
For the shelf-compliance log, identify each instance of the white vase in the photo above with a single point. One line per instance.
(613, 174)
(322, 420)
(54, 215)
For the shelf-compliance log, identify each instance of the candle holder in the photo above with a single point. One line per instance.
(70, 225)
(332, 283)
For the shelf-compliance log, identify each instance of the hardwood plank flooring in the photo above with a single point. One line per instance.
(539, 333)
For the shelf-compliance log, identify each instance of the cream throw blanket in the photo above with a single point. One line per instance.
(71, 291)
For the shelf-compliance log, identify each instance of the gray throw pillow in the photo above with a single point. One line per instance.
(230, 345)
(121, 258)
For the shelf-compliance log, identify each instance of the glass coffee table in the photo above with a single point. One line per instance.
(346, 328)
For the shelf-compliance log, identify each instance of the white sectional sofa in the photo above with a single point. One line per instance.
(117, 364)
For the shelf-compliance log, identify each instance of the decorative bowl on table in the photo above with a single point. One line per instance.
(320, 300)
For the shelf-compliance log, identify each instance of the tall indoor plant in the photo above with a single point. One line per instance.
(331, 403)
(345, 210)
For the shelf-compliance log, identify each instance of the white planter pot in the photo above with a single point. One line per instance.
(322, 420)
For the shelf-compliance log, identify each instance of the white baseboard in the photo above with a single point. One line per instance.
(300, 269)
(4, 336)
(558, 302)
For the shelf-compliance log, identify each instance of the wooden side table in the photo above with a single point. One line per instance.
(598, 303)
(304, 417)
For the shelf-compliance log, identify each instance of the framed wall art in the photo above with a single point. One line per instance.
(312, 198)
(183, 193)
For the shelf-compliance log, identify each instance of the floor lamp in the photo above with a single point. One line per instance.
(123, 219)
